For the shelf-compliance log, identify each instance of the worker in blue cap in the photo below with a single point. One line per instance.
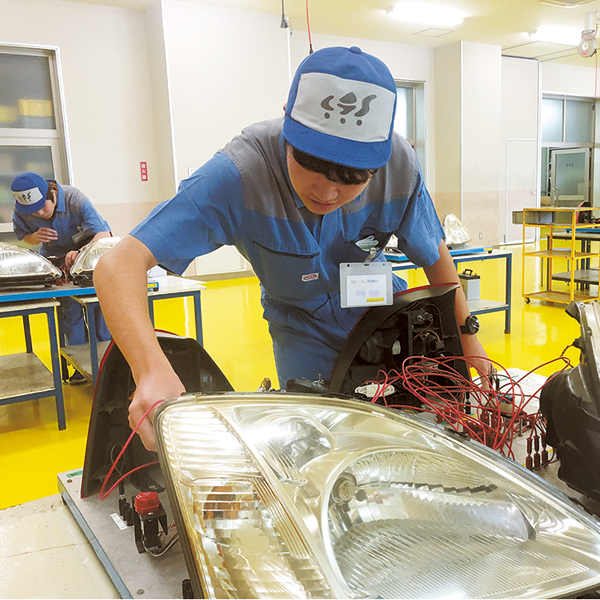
(328, 184)
(61, 219)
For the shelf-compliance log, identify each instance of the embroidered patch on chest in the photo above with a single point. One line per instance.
(310, 277)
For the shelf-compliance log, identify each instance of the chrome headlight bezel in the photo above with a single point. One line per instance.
(240, 412)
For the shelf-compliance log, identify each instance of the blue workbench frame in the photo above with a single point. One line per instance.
(23, 295)
(92, 306)
(401, 263)
(25, 311)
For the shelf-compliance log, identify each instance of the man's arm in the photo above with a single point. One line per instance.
(444, 271)
(121, 283)
(42, 236)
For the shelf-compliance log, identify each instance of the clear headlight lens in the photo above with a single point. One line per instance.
(16, 261)
(303, 496)
(88, 258)
(455, 231)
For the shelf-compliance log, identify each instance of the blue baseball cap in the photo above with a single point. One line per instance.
(29, 190)
(341, 108)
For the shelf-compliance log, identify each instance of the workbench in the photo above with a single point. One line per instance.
(477, 307)
(585, 275)
(25, 377)
(86, 357)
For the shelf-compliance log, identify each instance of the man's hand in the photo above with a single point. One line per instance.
(121, 283)
(70, 258)
(44, 235)
(162, 385)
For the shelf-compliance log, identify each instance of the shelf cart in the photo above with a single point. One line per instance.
(562, 224)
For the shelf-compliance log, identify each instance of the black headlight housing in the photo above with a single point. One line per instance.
(570, 402)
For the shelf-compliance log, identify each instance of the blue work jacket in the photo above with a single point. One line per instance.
(73, 214)
(243, 197)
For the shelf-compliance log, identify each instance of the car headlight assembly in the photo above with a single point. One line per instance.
(303, 496)
(21, 266)
(83, 267)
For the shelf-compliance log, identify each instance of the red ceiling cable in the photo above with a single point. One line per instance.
(310, 48)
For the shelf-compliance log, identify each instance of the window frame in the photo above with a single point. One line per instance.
(418, 125)
(55, 139)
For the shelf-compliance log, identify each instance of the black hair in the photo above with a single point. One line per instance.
(332, 171)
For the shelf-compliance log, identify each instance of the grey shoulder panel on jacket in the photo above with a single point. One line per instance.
(256, 154)
(394, 181)
(74, 198)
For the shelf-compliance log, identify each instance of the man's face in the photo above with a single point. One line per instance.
(318, 194)
(48, 209)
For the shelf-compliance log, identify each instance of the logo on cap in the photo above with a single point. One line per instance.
(347, 104)
(342, 107)
(28, 197)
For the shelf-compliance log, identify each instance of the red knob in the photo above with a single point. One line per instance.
(146, 503)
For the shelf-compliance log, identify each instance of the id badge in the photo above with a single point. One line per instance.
(366, 284)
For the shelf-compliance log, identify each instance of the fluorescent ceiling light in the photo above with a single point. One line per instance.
(568, 36)
(428, 14)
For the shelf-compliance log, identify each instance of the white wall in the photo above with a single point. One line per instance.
(107, 95)
(481, 140)
(173, 84)
(468, 106)
(165, 184)
(519, 152)
(448, 136)
(229, 68)
(564, 79)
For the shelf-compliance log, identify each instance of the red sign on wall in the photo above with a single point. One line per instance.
(144, 171)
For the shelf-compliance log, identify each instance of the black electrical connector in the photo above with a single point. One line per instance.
(305, 386)
(186, 589)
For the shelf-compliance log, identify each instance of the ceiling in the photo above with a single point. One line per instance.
(504, 23)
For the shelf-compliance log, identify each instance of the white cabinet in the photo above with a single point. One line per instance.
(224, 260)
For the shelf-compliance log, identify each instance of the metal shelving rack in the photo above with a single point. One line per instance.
(563, 220)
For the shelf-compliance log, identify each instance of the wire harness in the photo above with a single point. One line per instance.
(492, 409)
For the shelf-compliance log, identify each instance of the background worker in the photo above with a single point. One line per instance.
(62, 220)
(329, 183)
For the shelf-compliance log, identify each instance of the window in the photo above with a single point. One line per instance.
(410, 117)
(567, 132)
(567, 119)
(31, 128)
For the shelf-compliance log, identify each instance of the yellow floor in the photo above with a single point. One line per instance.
(33, 450)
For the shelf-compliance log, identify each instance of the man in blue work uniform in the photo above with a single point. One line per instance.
(62, 220)
(299, 196)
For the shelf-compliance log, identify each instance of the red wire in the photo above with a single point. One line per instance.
(103, 495)
(308, 29)
(432, 380)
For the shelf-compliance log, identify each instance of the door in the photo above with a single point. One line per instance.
(570, 176)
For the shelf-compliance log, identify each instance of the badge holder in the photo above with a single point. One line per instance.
(366, 284)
